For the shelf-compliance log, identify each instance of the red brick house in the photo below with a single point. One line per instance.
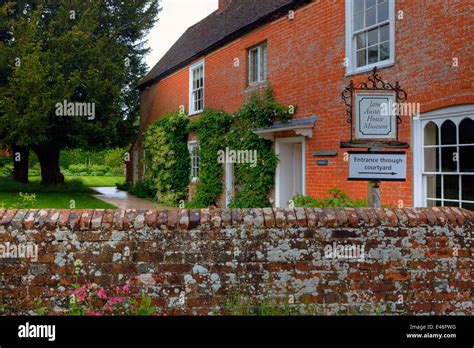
(308, 51)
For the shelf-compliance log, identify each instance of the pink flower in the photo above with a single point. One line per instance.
(95, 314)
(101, 293)
(126, 288)
(81, 298)
(78, 291)
(115, 300)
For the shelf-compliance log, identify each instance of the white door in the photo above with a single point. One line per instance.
(290, 179)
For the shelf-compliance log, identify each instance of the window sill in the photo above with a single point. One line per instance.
(195, 113)
(256, 86)
(369, 68)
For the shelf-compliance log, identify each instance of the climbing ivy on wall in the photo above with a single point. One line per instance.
(210, 130)
(217, 131)
(254, 182)
(167, 158)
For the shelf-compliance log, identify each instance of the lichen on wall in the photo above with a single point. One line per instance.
(318, 261)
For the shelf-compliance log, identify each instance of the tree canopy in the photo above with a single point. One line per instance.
(76, 51)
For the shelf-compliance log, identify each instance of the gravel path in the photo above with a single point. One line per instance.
(122, 199)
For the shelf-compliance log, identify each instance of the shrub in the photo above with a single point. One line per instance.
(114, 158)
(123, 187)
(336, 199)
(8, 185)
(77, 168)
(25, 201)
(83, 170)
(4, 159)
(6, 170)
(143, 189)
(98, 170)
(101, 163)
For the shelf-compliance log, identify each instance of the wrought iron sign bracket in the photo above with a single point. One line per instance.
(374, 83)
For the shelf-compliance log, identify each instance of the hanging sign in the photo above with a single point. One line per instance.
(375, 116)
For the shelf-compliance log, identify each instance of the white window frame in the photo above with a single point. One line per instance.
(193, 67)
(259, 49)
(191, 146)
(351, 57)
(454, 113)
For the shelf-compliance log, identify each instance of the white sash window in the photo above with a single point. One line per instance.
(444, 157)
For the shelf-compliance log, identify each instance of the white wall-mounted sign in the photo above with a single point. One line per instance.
(375, 116)
(385, 166)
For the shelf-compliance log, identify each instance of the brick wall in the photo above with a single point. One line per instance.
(415, 261)
(305, 68)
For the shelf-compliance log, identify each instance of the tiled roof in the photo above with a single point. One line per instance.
(220, 27)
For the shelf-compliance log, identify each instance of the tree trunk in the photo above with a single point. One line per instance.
(49, 161)
(21, 157)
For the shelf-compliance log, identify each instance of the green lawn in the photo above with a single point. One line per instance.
(56, 201)
(92, 181)
(76, 190)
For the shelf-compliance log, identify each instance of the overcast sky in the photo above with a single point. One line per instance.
(174, 19)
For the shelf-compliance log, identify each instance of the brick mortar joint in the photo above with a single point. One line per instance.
(184, 219)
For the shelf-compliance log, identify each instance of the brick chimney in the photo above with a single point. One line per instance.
(223, 4)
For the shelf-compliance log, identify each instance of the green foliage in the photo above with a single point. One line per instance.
(95, 163)
(143, 307)
(254, 183)
(336, 199)
(238, 303)
(4, 159)
(217, 131)
(8, 185)
(9, 200)
(93, 300)
(123, 186)
(83, 170)
(167, 158)
(143, 190)
(114, 158)
(210, 130)
(6, 170)
(38, 305)
(25, 201)
(96, 57)
(80, 156)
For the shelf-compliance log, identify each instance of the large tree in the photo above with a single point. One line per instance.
(65, 52)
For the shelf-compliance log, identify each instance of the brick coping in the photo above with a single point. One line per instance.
(184, 219)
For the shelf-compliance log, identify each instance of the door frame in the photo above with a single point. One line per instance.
(278, 143)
